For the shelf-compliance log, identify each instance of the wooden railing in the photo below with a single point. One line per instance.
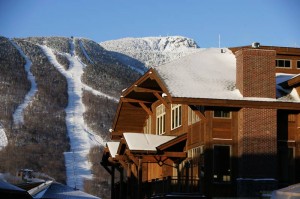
(160, 188)
(172, 185)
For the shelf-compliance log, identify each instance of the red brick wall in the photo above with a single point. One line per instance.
(257, 143)
(255, 73)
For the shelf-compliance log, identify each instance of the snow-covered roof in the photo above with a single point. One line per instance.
(145, 142)
(60, 191)
(113, 148)
(290, 192)
(207, 73)
(285, 94)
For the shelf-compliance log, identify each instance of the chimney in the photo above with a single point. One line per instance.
(255, 72)
(257, 127)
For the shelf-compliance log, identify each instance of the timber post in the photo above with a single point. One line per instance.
(112, 182)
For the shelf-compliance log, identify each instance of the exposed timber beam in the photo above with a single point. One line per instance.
(145, 90)
(201, 115)
(158, 96)
(131, 157)
(238, 103)
(145, 108)
(175, 154)
(134, 100)
(112, 161)
(106, 168)
(123, 164)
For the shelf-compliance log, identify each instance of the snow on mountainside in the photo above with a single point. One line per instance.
(149, 51)
(50, 86)
(3, 138)
(18, 114)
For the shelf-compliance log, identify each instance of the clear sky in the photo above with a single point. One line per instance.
(238, 22)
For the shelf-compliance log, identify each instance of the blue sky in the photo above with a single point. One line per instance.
(239, 22)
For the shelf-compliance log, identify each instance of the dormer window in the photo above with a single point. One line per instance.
(283, 63)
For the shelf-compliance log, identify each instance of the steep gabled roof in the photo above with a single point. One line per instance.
(135, 104)
(207, 73)
(206, 77)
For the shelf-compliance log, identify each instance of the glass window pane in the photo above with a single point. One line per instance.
(221, 163)
(287, 63)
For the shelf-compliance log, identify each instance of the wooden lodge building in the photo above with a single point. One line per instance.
(218, 123)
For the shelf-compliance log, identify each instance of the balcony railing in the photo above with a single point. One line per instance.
(169, 185)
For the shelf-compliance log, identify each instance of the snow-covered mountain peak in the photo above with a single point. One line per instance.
(150, 51)
(161, 44)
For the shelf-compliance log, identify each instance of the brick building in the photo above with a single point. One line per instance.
(219, 122)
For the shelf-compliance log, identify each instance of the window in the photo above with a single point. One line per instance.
(291, 118)
(221, 163)
(192, 117)
(175, 116)
(283, 63)
(222, 114)
(194, 154)
(160, 119)
(298, 64)
(147, 127)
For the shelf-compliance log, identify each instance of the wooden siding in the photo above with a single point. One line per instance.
(210, 131)
(131, 118)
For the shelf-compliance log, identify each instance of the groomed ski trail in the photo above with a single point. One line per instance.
(81, 137)
(3, 138)
(18, 114)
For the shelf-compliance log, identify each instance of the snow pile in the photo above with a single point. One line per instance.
(18, 114)
(3, 138)
(81, 137)
(150, 51)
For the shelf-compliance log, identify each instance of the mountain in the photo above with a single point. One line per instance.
(58, 96)
(149, 51)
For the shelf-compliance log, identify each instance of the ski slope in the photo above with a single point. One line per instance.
(3, 138)
(81, 137)
(18, 114)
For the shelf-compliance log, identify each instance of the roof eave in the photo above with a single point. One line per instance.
(238, 103)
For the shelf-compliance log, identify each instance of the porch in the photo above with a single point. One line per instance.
(168, 187)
